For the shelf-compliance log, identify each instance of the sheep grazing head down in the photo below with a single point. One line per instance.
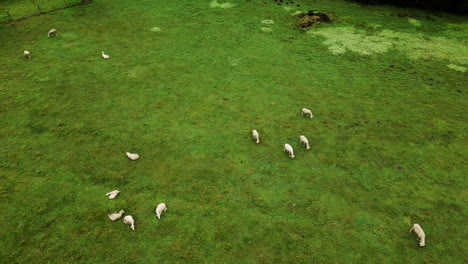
(52, 32)
(113, 194)
(421, 235)
(133, 156)
(159, 209)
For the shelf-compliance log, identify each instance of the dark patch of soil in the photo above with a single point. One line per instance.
(394, 68)
(353, 125)
(310, 18)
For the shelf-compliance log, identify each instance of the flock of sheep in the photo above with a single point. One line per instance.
(129, 219)
(162, 206)
(288, 148)
(53, 32)
(304, 142)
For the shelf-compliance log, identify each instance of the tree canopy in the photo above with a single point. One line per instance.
(452, 6)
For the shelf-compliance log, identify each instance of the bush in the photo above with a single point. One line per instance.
(452, 6)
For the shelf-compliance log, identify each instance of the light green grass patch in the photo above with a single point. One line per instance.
(456, 28)
(136, 71)
(416, 45)
(215, 4)
(69, 36)
(419, 46)
(156, 29)
(233, 61)
(296, 13)
(266, 29)
(374, 25)
(268, 22)
(339, 40)
(414, 22)
(457, 68)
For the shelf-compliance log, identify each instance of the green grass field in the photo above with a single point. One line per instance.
(388, 139)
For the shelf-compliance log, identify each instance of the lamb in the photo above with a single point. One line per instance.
(304, 142)
(255, 135)
(116, 216)
(113, 194)
(27, 54)
(306, 112)
(105, 56)
(129, 221)
(133, 156)
(161, 208)
(52, 32)
(422, 237)
(290, 150)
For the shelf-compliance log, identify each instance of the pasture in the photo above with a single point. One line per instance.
(186, 83)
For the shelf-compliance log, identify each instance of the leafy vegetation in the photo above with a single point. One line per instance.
(455, 6)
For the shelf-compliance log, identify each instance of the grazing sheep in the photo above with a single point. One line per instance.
(255, 135)
(133, 156)
(306, 112)
(52, 32)
(113, 194)
(290, 150)
(116, 216)
(105, 56)
(304, 142)
(422, 237)
(161, 208)
(27, 54)
(129, 221)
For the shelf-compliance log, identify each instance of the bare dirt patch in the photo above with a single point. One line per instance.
(311, 17)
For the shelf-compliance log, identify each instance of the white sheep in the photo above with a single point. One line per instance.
(159, 209)
(52, 32)
(27, 54)
(304, 142)
(422, 237)
(116, 216)
(306, 112)
(105, 56)
(113, 194)
(129, 221)
(290, 150)
(132, 156)
(255, 136)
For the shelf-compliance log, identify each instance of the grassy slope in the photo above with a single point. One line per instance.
(388, 147)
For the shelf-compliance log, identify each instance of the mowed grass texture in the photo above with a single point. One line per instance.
(388, 140)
